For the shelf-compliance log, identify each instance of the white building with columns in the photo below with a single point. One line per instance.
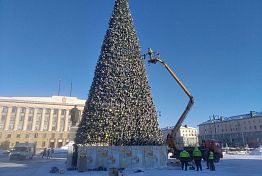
(41, 120)
(186, 136)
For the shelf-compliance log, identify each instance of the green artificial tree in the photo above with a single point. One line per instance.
(120, 110)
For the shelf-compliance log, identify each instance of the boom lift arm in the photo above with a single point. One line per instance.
(154, 59)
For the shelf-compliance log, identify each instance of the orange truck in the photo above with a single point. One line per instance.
(215, 146)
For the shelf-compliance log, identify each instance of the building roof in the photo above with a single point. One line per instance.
(45, 100)
(252, 114)
(182, 127)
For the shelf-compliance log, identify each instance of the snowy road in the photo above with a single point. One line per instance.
(231, 165)
(34, 167)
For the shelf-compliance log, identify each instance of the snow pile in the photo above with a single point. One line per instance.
(65, 147)
(60, 151)
(257, 151)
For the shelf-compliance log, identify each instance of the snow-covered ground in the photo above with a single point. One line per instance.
(257, 151)
(231, 165)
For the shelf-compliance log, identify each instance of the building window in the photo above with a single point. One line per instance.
(36, 135)
(48, 111)
(21, 118)
(40, 110)
(46, 119)
(37, 127)
(55, 111)
(3, 118)
(29, 122)
(63, 112)
(4, 109)
(22, 110)
(12, 118)
(31, 110)
(54, 121)
(43, 144)
(8, 135)
(2, 121)
(14, 109)
(255, 127)
(38, 119)
(62, 122)
(11, 126)
(21, 122)
(53, 135)
(18, 135)
(30, 118)
(45, 127)
(44, 135)
(26, 135)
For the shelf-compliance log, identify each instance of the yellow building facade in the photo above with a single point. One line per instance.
(41, 120)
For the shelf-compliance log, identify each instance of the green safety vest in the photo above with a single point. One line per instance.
(197, 152)
(211, 155)
(184, 154)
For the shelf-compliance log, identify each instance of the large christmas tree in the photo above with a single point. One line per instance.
(120, 109)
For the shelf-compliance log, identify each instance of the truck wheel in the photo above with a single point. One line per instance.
(216, 157)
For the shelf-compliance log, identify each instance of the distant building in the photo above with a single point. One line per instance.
(41, 120)
(234, 131)
(187, 136)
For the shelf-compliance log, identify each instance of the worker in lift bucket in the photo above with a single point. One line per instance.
(184, 158)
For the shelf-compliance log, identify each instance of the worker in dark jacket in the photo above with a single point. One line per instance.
(197, 155)
(210, 161)
(75, 156)
(184, 158)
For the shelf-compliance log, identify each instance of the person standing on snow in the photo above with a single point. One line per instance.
(197, 155)
(75, 157)
(48, 153)
(184, 158)
(211, 160)
(52, 151)
(44, 153)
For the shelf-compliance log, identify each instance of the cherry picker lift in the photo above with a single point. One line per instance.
(174, 148)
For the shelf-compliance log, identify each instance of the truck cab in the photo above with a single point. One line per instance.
(215, 146)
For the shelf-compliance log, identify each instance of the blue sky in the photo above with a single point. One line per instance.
(214, 46)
